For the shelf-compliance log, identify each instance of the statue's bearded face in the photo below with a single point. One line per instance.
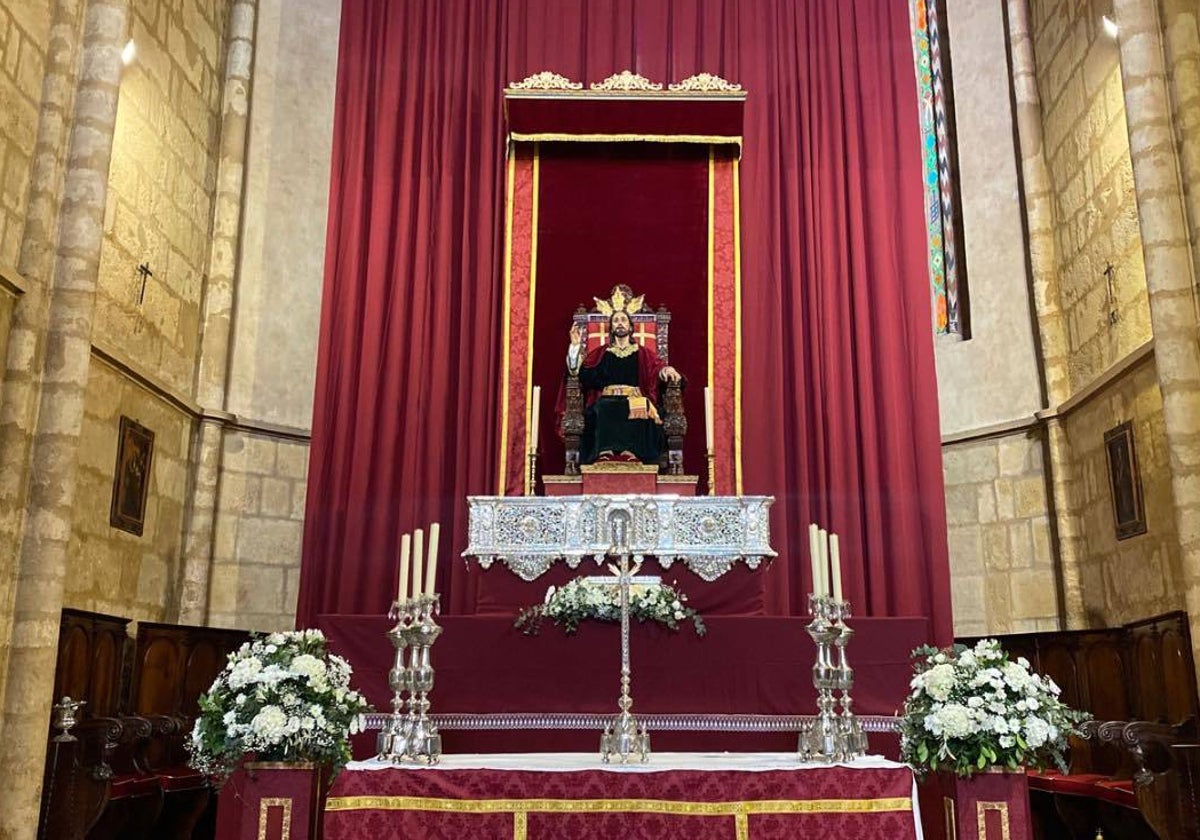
(620, 324)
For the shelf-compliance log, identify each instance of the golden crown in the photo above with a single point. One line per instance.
(621, 300)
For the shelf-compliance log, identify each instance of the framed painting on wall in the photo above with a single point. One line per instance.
(1125, 481)
(131, 479)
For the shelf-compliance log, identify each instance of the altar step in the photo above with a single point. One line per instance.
(619, 477)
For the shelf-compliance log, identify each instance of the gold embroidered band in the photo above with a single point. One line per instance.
(618, 806)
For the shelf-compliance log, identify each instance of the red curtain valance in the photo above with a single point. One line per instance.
(598, 117)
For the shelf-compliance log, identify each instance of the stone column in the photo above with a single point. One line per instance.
(1181, 30)
(1052, 333)
(218, 311)
(26, 339)
(1169, 279)
(42, 560)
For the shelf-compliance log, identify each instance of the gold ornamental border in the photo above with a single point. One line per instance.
(568, 137)
(619, 806)
(264, 807)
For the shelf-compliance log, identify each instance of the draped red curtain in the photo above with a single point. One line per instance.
(840, 409)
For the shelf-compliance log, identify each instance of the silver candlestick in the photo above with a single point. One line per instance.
(623, 736)
(831, 736)
(392, 741)
(852, 732)
(412, 736)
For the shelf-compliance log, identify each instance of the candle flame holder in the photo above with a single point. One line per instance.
(832, 736)
(410, 736)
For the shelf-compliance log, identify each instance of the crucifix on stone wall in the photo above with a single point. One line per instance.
(1110, 272)
(144, 270)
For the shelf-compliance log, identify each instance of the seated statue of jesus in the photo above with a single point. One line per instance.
(620, 382)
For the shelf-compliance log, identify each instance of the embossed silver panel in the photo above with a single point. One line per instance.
(706, 533)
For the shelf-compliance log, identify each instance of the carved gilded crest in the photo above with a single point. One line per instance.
(546, 80)
(625, 81)
(705, 83)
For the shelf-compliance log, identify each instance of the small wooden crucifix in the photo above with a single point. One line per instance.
(144, 270)
(1111, 293)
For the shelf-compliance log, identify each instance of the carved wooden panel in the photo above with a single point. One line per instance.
(175, 664)
(91, 652)
(1179, 676)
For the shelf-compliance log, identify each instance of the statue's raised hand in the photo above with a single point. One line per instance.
(576, 335)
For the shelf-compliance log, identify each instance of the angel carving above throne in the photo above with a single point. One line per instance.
(621, 399)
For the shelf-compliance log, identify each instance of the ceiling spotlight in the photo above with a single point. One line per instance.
(129, 53)
(1110, 27)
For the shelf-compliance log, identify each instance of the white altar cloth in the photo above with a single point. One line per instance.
(658, 762)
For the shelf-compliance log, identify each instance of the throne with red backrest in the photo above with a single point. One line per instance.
(651, 329)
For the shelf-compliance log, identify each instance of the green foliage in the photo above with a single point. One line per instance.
(581, 600)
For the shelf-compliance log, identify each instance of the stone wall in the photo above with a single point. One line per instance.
(272, 366)
(259, 523)
(282, 259)
(110, 570)
(1140, 576)
(1086, 144)
(1001, 561)
(161, 187)
(993, 377)
(24, 33)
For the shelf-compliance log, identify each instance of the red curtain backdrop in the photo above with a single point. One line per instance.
(840, 408)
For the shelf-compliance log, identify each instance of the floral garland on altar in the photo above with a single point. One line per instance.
(582, 599)
(282, 697)
(971, 709)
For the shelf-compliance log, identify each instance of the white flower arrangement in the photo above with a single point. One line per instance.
(971, 709)
(281, 697)
(582, 599)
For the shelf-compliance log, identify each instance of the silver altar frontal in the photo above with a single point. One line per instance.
(708, 534)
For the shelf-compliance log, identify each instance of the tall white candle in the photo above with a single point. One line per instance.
(535, 423)
(435, 531)
(823, 543)
(814, 556)
(708, 419)
(418, 561)
(405, 546)
(835, 558)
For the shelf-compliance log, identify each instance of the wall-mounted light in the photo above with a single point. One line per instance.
(1110, 26)
(129, 53)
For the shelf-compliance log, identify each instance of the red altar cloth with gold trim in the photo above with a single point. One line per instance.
(563, 796)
